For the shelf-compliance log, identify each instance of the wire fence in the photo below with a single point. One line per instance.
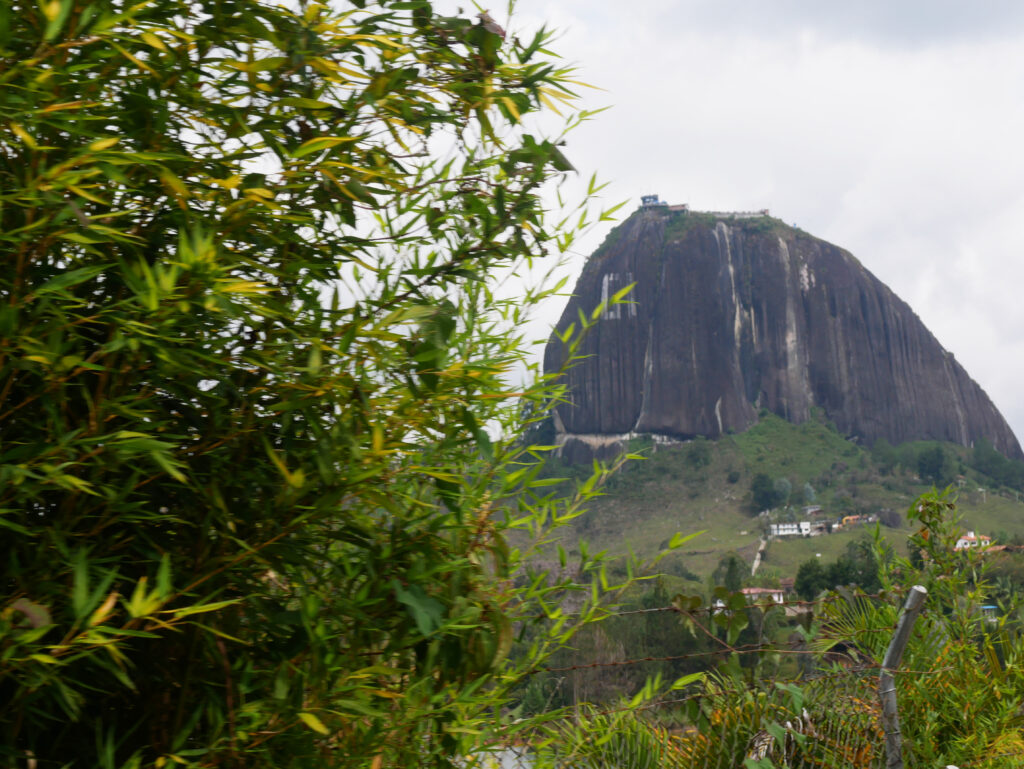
(744, 712)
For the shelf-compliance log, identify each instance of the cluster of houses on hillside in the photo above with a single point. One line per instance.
(814, 528)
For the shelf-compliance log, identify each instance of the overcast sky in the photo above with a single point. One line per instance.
(891, 129)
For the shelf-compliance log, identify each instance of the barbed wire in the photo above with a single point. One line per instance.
(713, 608)
(724, 685)
(746, 649)
(723, 647)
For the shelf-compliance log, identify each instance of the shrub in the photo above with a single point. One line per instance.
(254, 380)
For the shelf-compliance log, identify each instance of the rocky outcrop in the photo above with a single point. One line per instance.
(728, 316)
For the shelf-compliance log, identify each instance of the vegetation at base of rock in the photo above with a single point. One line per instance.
(650, 500)
(255, 400)
(765, 493)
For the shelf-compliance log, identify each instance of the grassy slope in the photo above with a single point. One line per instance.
(651, 500)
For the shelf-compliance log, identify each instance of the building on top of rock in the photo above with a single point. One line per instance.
(652, 201)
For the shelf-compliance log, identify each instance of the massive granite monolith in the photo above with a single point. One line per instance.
(730, 315)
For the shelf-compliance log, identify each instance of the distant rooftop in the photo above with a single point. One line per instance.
(653, 201)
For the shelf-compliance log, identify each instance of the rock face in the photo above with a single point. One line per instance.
(730, 315)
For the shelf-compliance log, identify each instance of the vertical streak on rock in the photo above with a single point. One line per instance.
(798, 391)
(723, 235)
(963, 437)
(647, 374)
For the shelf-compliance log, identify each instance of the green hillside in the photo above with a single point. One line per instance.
(706, 486)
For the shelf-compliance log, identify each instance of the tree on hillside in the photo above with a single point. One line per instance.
(811, 579)
(885, 456)
(730, 572)
(934, 466)
(1007, 472)
(253, 357)
(764, 495)
(857, 566)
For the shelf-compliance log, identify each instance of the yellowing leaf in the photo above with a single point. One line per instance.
(202, 608)
(548, 103)
(104, 611)
(263, 65)
(84, 193)
(103, 144)
(24, 135)
(69, 105)
(314, 723)
(510, 106)
(245, 287)
(281, 466)
(51, 10)
(351, 72)
(176, 184)
(320, 143)
(150, 39)
(229, 184)
(133, 59)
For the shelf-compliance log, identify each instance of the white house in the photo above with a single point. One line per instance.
(969, 540)
(754, 594)
(797, 529)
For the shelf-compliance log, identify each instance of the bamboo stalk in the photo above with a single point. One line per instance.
(886, 682)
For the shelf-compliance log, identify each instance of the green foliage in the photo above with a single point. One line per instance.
(811, 579)
(764, 492)
(698, 452)
(730, 572)
(884, 455)
(597, 741)
(963, 709)
(254, 377)
(810, 496)
(934, 466)
(1006, 472)
(857, 566)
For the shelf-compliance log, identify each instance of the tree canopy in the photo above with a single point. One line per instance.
(255, 378)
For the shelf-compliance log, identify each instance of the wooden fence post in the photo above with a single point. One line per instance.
(886, 682)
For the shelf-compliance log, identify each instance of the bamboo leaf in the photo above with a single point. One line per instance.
(314, 723)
